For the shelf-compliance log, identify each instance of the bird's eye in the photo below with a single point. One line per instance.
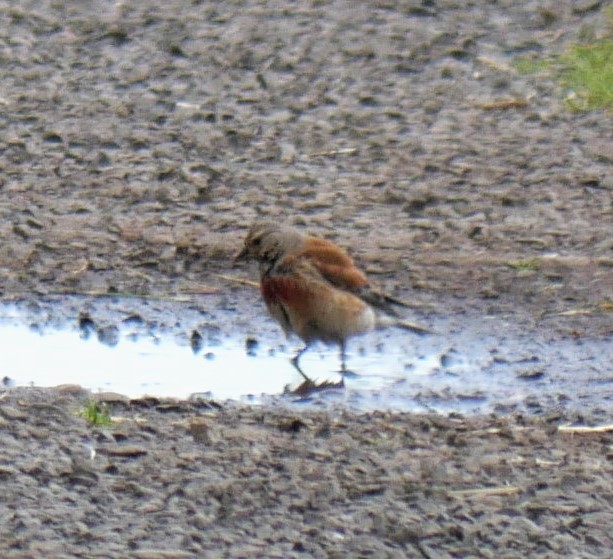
(256, 242)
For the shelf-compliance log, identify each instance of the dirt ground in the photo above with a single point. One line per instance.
(174, 480)
(139, 140)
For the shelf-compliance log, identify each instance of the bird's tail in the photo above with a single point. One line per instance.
(384, 321)
(384, 301)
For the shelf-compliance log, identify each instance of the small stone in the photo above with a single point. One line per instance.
(7, 471)
(12, 414)
(531, 374)
(128, 451)
(108, 335)
(71, 389)
(111, 398)
(199, 430)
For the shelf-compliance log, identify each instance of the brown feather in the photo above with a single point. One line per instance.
(333, 263)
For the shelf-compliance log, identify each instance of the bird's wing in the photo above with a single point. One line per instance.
(333, 263)
(339, 269)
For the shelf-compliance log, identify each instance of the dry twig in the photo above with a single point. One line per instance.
(506, 104)
(240, 281)
(334, 152)
(585, 429)
(485, 491)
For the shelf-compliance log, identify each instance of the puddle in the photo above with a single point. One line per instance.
(469, 368)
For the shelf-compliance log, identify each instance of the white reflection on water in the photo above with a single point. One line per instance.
(145, 365)
(136, 367)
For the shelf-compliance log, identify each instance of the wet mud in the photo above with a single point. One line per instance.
(138, 142)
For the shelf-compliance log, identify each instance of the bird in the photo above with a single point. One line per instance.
(313, 289)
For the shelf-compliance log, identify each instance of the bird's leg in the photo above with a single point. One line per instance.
(296, 365)
(343, 356)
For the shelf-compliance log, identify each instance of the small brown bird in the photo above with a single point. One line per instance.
(313, 288)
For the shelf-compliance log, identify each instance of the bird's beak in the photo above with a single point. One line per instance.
(242, 255)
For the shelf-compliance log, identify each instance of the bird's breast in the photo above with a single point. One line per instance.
(286, 290)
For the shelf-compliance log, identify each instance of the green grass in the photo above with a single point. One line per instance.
(522, 265)
(96, 414)
(585, 69)
(531, 65)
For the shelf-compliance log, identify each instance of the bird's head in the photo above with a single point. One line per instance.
(267, 243)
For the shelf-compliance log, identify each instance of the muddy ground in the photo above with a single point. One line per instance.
(174, 480)
(138, 142)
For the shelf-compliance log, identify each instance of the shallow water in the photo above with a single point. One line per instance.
(468, 367)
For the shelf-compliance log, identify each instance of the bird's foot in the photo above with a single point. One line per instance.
(308, 387)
